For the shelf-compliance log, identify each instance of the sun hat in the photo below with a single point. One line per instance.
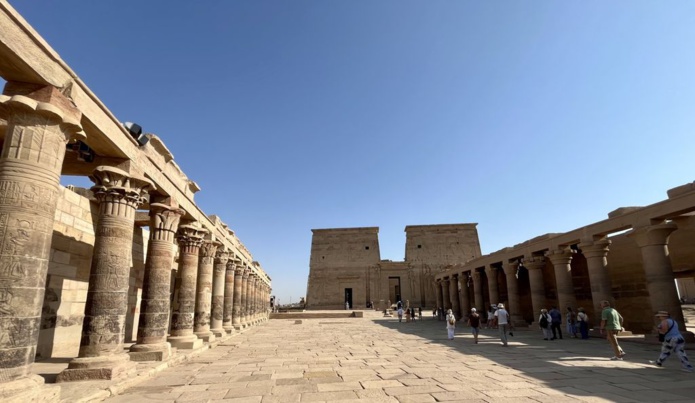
(472, 309)
(500, 306)
(662, 313)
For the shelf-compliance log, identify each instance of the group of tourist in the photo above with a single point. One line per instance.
(407, 311)
(550, 322)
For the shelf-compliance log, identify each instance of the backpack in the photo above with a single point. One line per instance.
(544, 321)
(452, 320)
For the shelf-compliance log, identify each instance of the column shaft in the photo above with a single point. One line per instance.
(218, 288)
(514, 305)
(438, 292)
(493, 288)
(152, 342)
(446, 298)
(40, 121)
(465, 298)
(228, 307)
(454, 296)
(595, 254)
(535, 274)
(203, 301)
(101, 353)
(561, 260)
(478, 291)
(190, 238)
(244, 297)
(237, 311)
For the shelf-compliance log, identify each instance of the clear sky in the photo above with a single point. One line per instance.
(524, 117)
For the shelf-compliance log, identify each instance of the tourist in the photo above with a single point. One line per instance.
(441, 313)
(407, 315)
(450, 324)
(583, 321)
(490, 317)
(347, 305)
(400, 314)
(474, 323)
(571, 322)
(671, 341)
(556, 322)
(412, 314)
(503, 322)
(419, 312)
(544, 322)
(612, 323)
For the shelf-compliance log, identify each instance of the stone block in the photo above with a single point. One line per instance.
(60, 256)
(67, 219)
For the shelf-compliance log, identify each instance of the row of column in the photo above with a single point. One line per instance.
(652, 241)
(216, 293)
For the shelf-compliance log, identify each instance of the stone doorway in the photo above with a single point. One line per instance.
(395, 289)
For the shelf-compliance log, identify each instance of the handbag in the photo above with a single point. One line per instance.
(662, 336)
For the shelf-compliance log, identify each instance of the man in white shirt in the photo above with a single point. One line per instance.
(502, 318)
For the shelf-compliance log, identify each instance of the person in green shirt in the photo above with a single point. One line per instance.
(612, 323)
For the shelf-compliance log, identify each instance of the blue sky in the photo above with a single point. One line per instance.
(523, 117)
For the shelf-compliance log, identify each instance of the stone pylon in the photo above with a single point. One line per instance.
(203, 301)
(218, 286)
(40, 121)
(152, 342)
(237, 311)
(228, 308)
(190, 238)
(101, 348)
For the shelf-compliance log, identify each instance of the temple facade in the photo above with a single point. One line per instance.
(346, 267)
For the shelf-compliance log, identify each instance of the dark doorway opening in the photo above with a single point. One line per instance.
(348, 298)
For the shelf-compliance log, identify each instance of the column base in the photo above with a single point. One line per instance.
(29, 389)
(151, 352)
(98, 368)
(190, 342)
(218, 332)
(238, 327)
(206, 336)
(228, 329)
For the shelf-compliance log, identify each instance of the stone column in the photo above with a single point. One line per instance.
(514, 305)
(237, 311)
(561, 260)
(39, 124)
(254, 300)
(190, 239)
(101, 353)
(228, 306)
(653, 243)
(535, 274)
(478, 291)
(438, 292)
(152, 342)
(249, 298)
(218, 286)
(446, 298)
(595, 253)
(465, 299)
(493, 289)
(454, 295)
(244, 297)
(203, 301)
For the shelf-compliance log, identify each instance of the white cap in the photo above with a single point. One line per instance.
(472, 309)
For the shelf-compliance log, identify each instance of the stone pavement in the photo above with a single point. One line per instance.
(380, 360)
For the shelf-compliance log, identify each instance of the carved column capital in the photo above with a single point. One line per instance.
(509, 268)
(598, 248)
(534, 263)
(190, 237)
(560, 256)
(231, 263)
(477, 275)
(652, 234)
(164, 221)
(208, 250)
(222, 256)
(116, 189)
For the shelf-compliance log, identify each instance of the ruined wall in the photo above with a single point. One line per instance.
(68, 276)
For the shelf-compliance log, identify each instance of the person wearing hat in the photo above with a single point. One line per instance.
(583, 320)
(450, 324)
(474, 323)
(612, 323)
(502, 319)
(671, 341)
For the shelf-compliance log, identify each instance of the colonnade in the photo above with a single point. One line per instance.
(503, 271)
(217, 292)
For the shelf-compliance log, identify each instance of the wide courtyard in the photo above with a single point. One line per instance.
(381, 360)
